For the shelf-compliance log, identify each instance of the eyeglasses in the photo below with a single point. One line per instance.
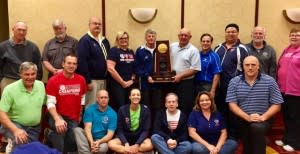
(294, 35)
(123, 38)
(103, 97)
(96, 23)
(231, 32)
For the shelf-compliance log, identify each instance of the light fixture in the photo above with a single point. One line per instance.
(292, 15)
(143, 15)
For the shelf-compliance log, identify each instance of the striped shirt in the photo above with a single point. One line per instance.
(254, 99)
(173, 119)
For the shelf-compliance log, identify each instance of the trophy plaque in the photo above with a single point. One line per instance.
(162, 63)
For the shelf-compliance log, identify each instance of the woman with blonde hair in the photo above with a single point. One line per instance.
(207, 128)
(120, 65)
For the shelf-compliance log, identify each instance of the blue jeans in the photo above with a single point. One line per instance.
(33, 133)
(63, 142)
(229, 147)
(161, 146)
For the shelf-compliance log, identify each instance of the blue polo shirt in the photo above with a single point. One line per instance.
(210, 65)
(256, 98)
(209, 130)
(101, 121)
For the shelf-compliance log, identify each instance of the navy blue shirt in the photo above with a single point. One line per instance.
(125, 62)
(229, 61)
(209, 130)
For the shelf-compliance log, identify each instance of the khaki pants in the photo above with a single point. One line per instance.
(90, 96)
(4, 82)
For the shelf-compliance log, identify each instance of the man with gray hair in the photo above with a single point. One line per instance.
(57, 48)
(16, 50)
(263, 51)
(21, 106)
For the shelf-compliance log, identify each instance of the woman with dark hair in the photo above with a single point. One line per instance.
(207, 128)
(133, 127)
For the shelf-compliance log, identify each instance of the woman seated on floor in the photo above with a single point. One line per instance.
(133, 127)
(207, 128)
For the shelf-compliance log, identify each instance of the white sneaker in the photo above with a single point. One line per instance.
(288, 148)
(9, 146)
(279, 143)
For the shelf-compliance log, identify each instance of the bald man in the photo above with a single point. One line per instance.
(15, 51)
(263, 51)
(255, 98)
(186, 62)
(93, 49)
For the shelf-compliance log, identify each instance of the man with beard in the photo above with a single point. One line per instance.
(57, 48)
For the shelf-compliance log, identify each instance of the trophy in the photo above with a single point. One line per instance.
(162, 63)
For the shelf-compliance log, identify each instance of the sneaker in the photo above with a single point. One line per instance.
(279, 143)
(9, 146)
(288, 148)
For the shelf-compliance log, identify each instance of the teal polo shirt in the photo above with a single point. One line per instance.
(101, 121)
(22, 106)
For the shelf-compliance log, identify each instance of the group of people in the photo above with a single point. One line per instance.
(244, 80)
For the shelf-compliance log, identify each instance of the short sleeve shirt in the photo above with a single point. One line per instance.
(101, 121)
(209, 130)
(22, 106)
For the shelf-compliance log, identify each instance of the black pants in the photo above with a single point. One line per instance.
(291, 119)
(253, 136)
(185, 90)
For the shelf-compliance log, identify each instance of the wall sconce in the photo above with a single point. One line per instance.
(143, 15)
(292, 15)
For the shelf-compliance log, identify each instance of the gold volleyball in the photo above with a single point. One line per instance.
(162, 48)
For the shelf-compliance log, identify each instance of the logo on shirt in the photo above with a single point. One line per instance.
(265, 54)
(69, 89)
(217, 122)
(105, 120)
(126, 58)
(127, 120)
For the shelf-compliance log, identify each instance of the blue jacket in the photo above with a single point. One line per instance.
(91, 60)
(144, 66)
(231, 61)
(123, 130)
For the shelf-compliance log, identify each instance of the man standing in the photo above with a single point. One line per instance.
(170, 133)
(21, 106)
(151, 92)
(100, 123)
(264, 52)
(15, 51)
(57, 48)
(65, 93)
(232, 53)
(92, 53)
(186, 62)
(254, 111)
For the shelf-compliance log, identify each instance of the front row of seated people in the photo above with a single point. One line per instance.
(22, 101)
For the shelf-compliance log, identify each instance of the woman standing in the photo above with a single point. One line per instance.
(207, 128)
(288, 80)
(120, 65)
(133, 127)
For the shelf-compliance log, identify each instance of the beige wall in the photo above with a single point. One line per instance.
(278, 28)
(200, 16)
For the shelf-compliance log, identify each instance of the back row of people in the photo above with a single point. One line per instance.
(231, 52)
